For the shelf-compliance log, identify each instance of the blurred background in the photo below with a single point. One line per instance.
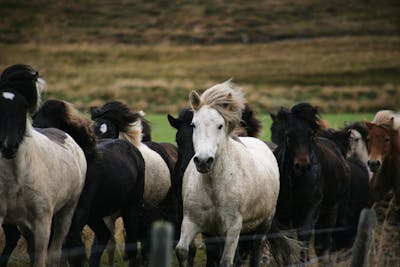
(342, 56)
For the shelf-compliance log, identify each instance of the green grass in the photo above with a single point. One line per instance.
(163, 132)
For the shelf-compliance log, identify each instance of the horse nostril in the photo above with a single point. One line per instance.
(196, 160)
(297, 166)
(210, 160)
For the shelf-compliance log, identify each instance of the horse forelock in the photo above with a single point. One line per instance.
(308, 114)
(359, 127)
(387, 119)
(26, 81)
(228, 100)
(13, 121)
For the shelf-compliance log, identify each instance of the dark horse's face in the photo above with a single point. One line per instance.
(379, 142)
(183, 135)
(13, 114)
(299, 140)
(104, 128)
(296, 135)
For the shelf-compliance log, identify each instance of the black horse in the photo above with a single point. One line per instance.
(359, 195)
(114, 184)
(314, 176)
(115, 119)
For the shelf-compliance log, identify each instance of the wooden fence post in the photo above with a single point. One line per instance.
(363, 240)
(161, 245)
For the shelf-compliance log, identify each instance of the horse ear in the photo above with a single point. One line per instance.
(369, 125)
(194, 100)
(94, 111)
(273, 116)
(176, 123)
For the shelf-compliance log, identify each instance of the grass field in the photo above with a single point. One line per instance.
(163, 132)
(343, 74)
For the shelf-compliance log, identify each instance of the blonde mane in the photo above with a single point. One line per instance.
(387, 119)
(133, 132)
(228, 100)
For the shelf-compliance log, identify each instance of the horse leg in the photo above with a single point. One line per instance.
(12, 236)
(131, 217)
(61, 224)
(306, 229)
(28, 235)
(110, 222)
(188, 231)
(214, 245)
(102, 235)
(41, 237)
(323, 241)
(233, 228)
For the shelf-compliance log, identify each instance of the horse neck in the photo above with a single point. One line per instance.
(133, 134)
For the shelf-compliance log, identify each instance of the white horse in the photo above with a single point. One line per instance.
(42, 173)
(231, 185)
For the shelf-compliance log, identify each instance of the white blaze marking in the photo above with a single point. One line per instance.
(103, 128)
(8, 95)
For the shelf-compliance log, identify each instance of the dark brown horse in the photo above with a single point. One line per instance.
(384, 156)
(314, 176)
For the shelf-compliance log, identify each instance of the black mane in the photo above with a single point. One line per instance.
(120, 115)
(250, 123)
(359, 127)
(22, 79)
(18, 96)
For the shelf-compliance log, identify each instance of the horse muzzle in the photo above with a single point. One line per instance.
(374, 165)
(203, 165)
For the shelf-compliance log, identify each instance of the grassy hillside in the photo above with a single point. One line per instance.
(343, 56)
(193, 22)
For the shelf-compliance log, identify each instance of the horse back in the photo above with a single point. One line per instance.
(115, 177)
(335, 172)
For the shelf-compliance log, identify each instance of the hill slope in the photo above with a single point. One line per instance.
(193, 22)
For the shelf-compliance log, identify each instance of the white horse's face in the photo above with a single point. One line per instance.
(357, 145)
(208, 133)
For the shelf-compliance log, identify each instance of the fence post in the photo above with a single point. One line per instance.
(363, 240)
(161, 245)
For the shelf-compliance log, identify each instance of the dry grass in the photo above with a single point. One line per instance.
(345, 74)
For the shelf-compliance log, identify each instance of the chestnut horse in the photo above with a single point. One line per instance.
(384, 155)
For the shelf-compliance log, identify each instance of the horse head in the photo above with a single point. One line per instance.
(295, 130)
(357, 140)
(183, 137)
(20, 89)
(379, 142)
(216, 114)
(116, 118)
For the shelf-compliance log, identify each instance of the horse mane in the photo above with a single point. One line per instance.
(387, 119)
(228, 100)
(26, 81)
(359, 127)
(250, 123)
(67, 118)
(308, 114)
(128, 122)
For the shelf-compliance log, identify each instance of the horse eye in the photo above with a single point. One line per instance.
(387, 140)
(220, 127)
(357, 139)
(192, 124)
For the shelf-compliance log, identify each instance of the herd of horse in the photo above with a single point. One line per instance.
(61, 171)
